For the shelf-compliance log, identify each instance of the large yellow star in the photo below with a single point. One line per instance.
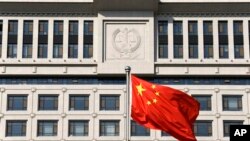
(154, 100)
(140, 89)
(153, 86)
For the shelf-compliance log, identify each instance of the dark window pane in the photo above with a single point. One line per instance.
(192, 28)
(73, 51)
(205, 102)
(16, 128)
(58, 28)
(12, 51)
(163, 51)
(238, 51)
(17, 102)
(223, 28)
(57, 51)
(177, 27)
(109, 102)
(28, 28)
(79, 102)
(27, 50)
(178, 51)
(109, 127)
(87, 51)
(48, 102)
(227, 123)
(138, 130)
(78, 127)
(208, 28)
(208, 51)
(203, 128)
(73, 27)
(163, 27)
(223, 51)
(238, 28)
(13, 27)
(43, 28)
(47, 128)
(232, 103)
(193, 51)
(42, 50)
(88, 27)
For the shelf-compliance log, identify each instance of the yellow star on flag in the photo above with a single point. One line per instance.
(140, 89)
(148, 102)
(153, 86)
(154, 100)
(157, 93)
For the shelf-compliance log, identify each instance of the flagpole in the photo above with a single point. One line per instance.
(127, 128)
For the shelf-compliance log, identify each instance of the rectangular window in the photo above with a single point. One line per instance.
(13, 27)
(203, 128)
(238, 51)
(163, 51)
(73, 27)
(178, 51)
(232, 103)
(192, 28)
(1, 27)
(87, 51)
(12, 51)
(208, 51)
(177, 27)
(58, 27)
(78, 128)
(17, 102)
(42, 50)
(27, 50)
(0, 50)
(110, 102)
(28, 28)
(208, 28)
(109, 127)
(88, 27)
(193, 51)
(73, 51)
(57, 51)
(138, 130)
(163, 27)
(78, 102)
(43, 27)
(223, 28)
(205, 102)
(48, 102)
(15, 128)
(223, 51)
(47, 128)
(227, 123)
(238, 28)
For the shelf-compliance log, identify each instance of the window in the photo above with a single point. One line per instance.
(177, 27)
(238, 28)
(28, 28)
(203, 128)
(12, 51)
(78, 102)
(13, 27)
(205, 102)
(108, 102)
(42, 50)
(109, 127)
(73, 51)
(178, 51)
(1, 27)
(17, 102)
(58, 28)
(193, 51)
(208, 51)
(47, 128)
(88, 27)
(192, 28)
(43, 27)
(48, 102)
(73, 27)
(232, 103)
(223, 51)
(87, 51)
(238, 51)
(57, 51)
(27, 50)
(0, 50)
(164, 133)
(227, 123)
(207, 28)
(163, 27)
(78, 128)
(15, 128)
(163, 51)
(223, 28)
(138, 130)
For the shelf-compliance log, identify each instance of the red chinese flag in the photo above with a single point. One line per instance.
(164, 108)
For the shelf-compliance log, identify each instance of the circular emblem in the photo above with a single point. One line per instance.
(126, 41)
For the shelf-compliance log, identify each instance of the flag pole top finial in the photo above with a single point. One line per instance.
(127, 68)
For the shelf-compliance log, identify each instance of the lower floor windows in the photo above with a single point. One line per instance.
(208, 51)
(138, 130)
(87, 51)
(193, 51)
(47, 128)
(42, 51)
(58, 51)
(163, 51)
(12, 51)
(109, 127)
(73, 51)
(223, 51)
(178, 51)
(227, 123)
(203, 128)
(238, 51)
(16, 128)
(232, 102)
(78, 127)
(27, 51)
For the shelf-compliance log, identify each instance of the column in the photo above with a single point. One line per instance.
(65, 38)
(4, 39)
(35, 39)
(200, 39)
(246, 39)
(170, 38)
(230, 39)
(80, 40)
(185, 39)
(50, 38)
(216, 39)
(20, 39)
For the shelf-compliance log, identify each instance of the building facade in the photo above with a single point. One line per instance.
(62, 63)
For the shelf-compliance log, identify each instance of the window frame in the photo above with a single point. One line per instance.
(9, 129)
(103, 127)
(42, 106)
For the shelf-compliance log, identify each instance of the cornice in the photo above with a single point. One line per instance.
(48, 14)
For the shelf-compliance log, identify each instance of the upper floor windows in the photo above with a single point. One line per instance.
(43, 28)
(73, 27)
(207, 28)
(88, 27)
(58, 27)
(1, 28)
(109, 127)
(223, 29)
(48, 102)
(16, 128)
(205, 102)
(13, 27)
(28, 28)
(177, 27)
(78, 102)
(109, 102)
(78, 128)
(163, 27)
(232, 102)
(203, 128)
(17, 102)
(138, 130)
(192, 28)
(47, 127)
(238, 28)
